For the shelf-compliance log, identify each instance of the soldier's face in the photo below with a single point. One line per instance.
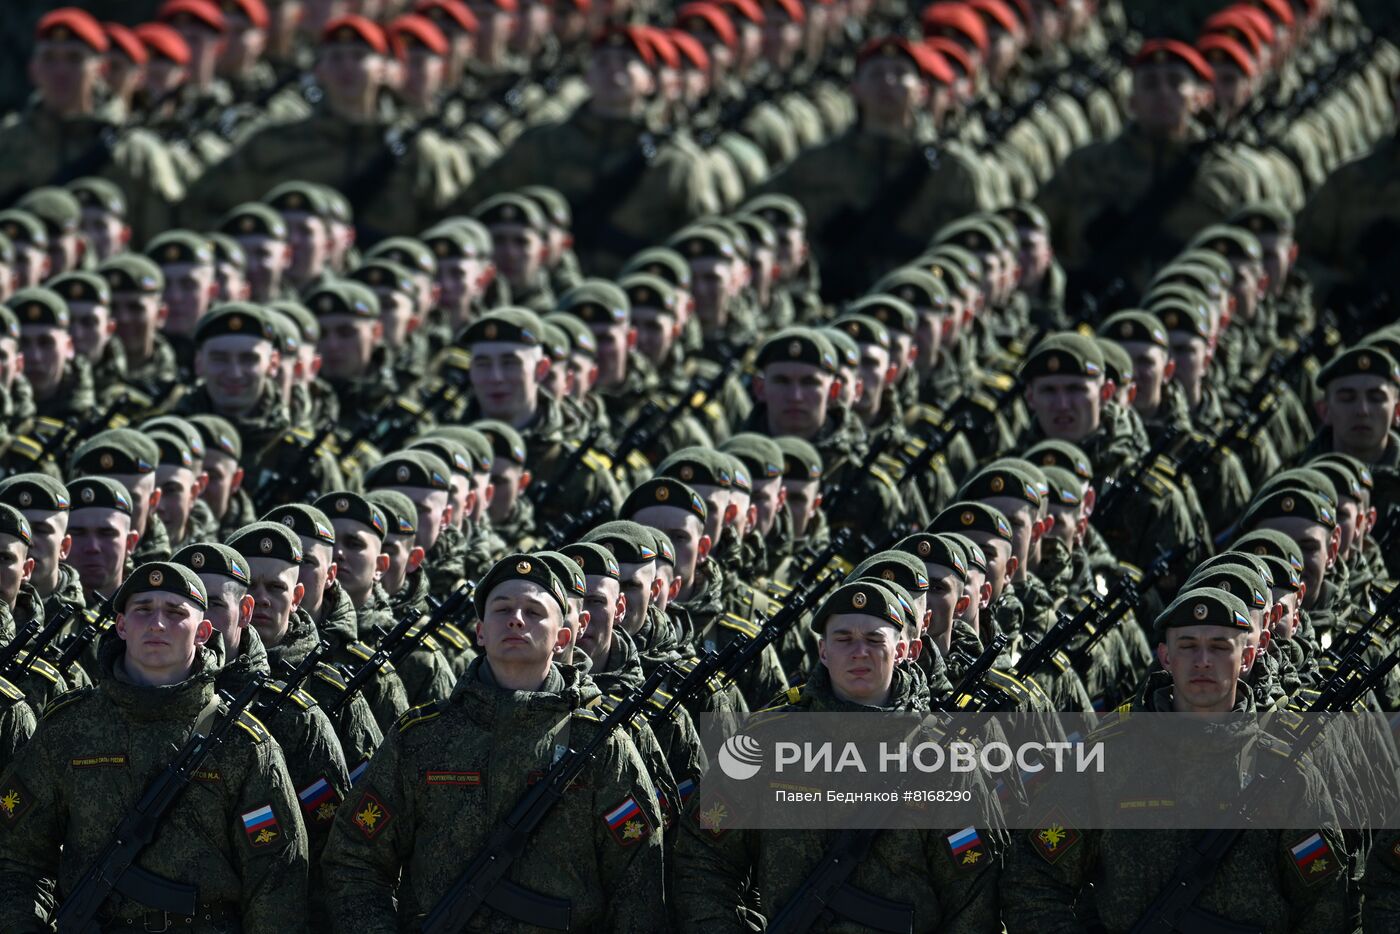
(1034, 257)
(796, 395)
(243, 43)
(605, 607)
(1163, 96)
(357, 553)
(267, 260)
(224, 476)
(189, 291)
(1360, 410)
(91, 326)
(310, 242)
(998, 553)
(179, 490)
(1190, 355)
(496, 26)
(31, 265)
(432, 511)
(349, 70)
(618, 78)
(1021, 516)
(1287, 622)
(457, 281)
(683, 528)
(64, 72)
(505, 378)
(396, 314)
(236, 367)
(1149, 372)
(423, 74)
(522, 625)
(346, 345)
(1233, 88)
(767, 499)
(136, 316)
(276, 592)
(9, 361)
(1205, 663)
(803, 501)
(505, 478)
(519, 253)
(15, 567)
(944, 592)
(614, 340)
(398, 549)
(47, 546)
(1065, 528)
(1066, 407)
(314, 572)
(859, 653)
(1278, 259)
(161, 631)
(101, 540)
(933, 323)
(710, 279)
(890, 89)
(227, 610)
(656, 332)
(1319, 545)
(47, 351)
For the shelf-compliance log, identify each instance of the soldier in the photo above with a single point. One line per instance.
(222, 491)
(91, 326)
(323, 607)
(139, 311)
(62, 382)
(1203, 644)
(520, 604)
(390, 194)
(235, 361)
(638, 188)
(464, 267)
(519, 250)
(360, 528)
(244, 844)
(64, 137)
(43, 501)
(861, 639)
(262, 233)
(186, 261)
(129, 457)
(59, 212)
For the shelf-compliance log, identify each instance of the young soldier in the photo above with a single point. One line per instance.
(234, 833)
(450, 771)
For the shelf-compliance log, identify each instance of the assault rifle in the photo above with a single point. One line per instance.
(382, 655)
(647, 427)
(77, 643)
(296, 677)
(115, 868)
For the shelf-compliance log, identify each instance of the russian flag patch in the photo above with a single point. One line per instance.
(318, 800)
(260, 827)
(627, 822)
(1313, 859)
(966, 849)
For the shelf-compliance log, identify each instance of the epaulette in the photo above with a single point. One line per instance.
(453, 636)
(714, 410)
(983, 400)
(740, 625)
(659, 699)
(302, 699)
(1001, 382)
(793, 694)
(884, 478)
(65, 699)
(253, 727)
(9, 692)
(360, 650)
(592, 713)
(44, 670)
(1274, 745)
(600, 463)
(330, 675)
(420, 714)
(431, 644)
(1155, 484)
(1061, 661)
(638, 462)
(1111, 723)
(778, 590)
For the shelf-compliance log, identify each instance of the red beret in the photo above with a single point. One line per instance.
(1250, 18)
(665, 50)
(958, 19)
(1223, 25)
(1220, 50)
(354, 28)
(633, 37)
(1158, 51)
(690, 49)
(1001, 13)
(126, 41)
(174, 12)
(954, 53)
(748, 9)
(164, 42)
(1281, 10)
(449, 14)
(72, 23)
(411, 28)
(255, 11)
(930, 63)
(708, 16)
(793, 8)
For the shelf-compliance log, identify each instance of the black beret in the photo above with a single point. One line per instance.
(412, 254)
(180, 246)
(418, 468)
(13, 523)
(1204, 606)
(162, 577)
(798, 345)
(972, 517)
(698, 465)
(596, 301)
(1134, 325)
(1064, 354)
(343, 297)
(116, 450)
(39, 306)
(519, 567)
(266, 539)
(400, 513)
(898, 566)
(567, 570)
(801, 461)
(385, 274)
(935, 549)
(1361, 361)
(305, 521)
(218, 434)
(593, 559)
(37, 491)
(630, 542)
(242, 319)
(211, 558)
(664, 491)
(99, 493)
(510, 325)
(132, 272)
(865, 598)
(82, 287)
(344, 504)
(254, 219)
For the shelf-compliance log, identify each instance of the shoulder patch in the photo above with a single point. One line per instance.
(253, 727)
(740, 625)
(627, 822)
(453, 636)
(9, 692)
(1313, 859)
(65, 700)
(331, 676)
(413, 716)
(967, 850)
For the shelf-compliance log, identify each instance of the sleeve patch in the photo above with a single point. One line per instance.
(713, 818)
(318, 801)
(1054, 840)
(261, 828)
(628, 822)
(15, 801)
(967, 850)
(371, 816)
(1313, 859)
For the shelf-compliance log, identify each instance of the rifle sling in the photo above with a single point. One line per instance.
(875, 912)
(529, 907)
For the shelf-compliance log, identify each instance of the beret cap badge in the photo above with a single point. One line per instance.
(1200, 611)
(858, 600)
(156, 578)
(197, 560)
(265, 546)
(523, 567)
